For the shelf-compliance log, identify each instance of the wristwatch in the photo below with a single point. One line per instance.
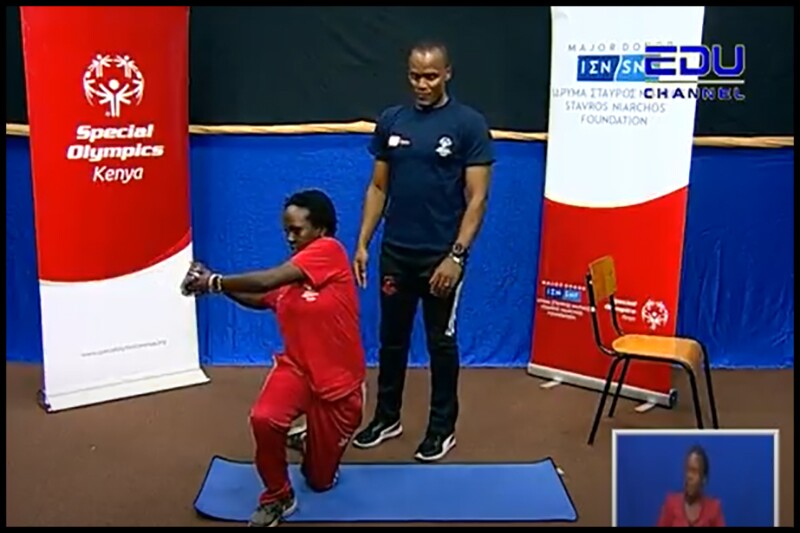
(458, 253)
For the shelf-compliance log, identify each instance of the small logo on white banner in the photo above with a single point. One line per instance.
(113, 80)
(655, 314)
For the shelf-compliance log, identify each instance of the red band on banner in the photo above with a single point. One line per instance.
(646, 242)
(108, 112)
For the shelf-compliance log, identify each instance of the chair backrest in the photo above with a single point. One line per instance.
(601, 284)
(604, 279)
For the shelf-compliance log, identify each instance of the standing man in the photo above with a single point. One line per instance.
(430, 182)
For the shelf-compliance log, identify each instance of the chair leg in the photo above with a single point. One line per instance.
(619, 388)
(695, 397)
(710, 387)
(611, 371)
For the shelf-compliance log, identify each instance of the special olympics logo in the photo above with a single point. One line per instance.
(113, 81)
(655, 314)
(445, 145)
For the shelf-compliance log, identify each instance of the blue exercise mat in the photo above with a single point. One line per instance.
(525, 492)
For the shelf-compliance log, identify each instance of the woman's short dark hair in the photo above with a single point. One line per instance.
(321, 211)
(700, 452)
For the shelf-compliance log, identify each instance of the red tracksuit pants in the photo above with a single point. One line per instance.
(331, 424)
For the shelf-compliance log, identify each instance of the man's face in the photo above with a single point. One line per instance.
(693, 482)
(298, 229)
(428, 74)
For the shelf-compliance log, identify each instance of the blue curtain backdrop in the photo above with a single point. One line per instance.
(737, 291)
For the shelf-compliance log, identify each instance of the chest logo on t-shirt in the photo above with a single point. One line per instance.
(445, 147)
(309, 294)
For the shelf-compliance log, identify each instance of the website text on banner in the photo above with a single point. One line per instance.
(616, 184)
(107, 100)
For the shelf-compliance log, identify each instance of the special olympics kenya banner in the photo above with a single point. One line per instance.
(616, 183)
(107, 105)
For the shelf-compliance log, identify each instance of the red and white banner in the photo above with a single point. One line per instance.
(618, 159)
(108, 112)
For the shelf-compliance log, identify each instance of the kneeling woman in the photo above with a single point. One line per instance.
(321, 374)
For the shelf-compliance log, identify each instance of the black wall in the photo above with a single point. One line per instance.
(290, 65)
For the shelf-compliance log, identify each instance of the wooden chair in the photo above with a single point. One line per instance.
(601, 285)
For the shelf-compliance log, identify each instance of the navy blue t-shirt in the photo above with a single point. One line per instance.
(428, 151)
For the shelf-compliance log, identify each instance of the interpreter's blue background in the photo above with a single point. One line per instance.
(741, 476)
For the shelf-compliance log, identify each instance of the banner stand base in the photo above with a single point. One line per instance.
(119, 391)
(586, 382)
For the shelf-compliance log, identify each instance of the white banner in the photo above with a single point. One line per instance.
(618, 157)
(117, 338)
(615, 139)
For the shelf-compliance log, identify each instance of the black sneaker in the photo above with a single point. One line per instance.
(271, 514)
(376, 432)
(435, 447)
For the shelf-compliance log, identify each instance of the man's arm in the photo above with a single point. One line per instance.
(479, 159)
(375, 197)
(476, 190)
(374, 202)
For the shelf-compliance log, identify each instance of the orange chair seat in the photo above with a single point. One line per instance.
(677, 348)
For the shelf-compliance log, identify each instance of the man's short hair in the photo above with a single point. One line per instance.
(431, 46)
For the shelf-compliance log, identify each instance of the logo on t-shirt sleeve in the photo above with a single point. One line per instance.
(396, 140)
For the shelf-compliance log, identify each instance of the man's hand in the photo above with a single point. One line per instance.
(445, 277)
(195, 282)
(360, 266)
